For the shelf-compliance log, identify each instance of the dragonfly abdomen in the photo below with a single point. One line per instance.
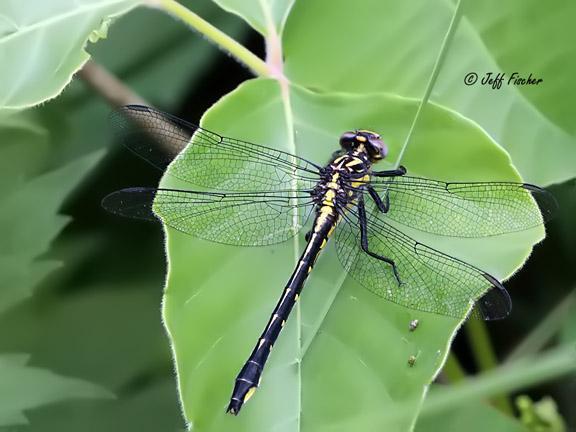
(248, 379)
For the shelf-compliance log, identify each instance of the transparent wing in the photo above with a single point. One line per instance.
(211, 160)
(464, 209)
(431, 281)
(244, 219)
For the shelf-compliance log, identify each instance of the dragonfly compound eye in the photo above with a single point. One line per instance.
(375, 146)
(348, 140)
(377, 149)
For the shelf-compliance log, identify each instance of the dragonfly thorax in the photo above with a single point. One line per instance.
(342, 178)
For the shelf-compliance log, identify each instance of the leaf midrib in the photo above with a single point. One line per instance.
(274, 36)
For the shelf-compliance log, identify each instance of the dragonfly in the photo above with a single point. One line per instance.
(246, 194)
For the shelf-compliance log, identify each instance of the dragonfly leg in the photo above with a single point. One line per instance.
(364, 240)
(400, 171)
(383, 206)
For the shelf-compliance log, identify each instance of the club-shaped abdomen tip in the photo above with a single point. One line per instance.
(235, 404)
(232, 408)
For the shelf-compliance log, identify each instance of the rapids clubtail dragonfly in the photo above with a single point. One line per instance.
(261, 196)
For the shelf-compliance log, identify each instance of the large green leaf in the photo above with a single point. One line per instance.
(25, 387)
(42, 44)
(342, 360)
(392, 46)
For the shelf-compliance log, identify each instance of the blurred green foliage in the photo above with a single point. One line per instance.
(540, 416)
(80, 298)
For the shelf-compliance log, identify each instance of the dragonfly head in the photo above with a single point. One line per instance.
(364, 140)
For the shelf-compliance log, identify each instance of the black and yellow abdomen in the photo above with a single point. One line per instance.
(249, 377)
(331, 196)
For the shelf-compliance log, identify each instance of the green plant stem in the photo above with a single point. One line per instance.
(545, 330)
(114, 91)
(511, 377)
(453, 370)
(221, 39)
(480, 344)
(483, 352)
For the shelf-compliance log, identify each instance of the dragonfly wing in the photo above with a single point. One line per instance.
(243, 219)
(210, 160)
(430, 280)
(464, 209)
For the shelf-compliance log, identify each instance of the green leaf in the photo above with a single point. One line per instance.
(342, 359)
(42, 44)
(529, 122)
(24, 147)
(153, 408)
(25, 387)
(265, 16)
(55, 344)
(29, 218)
(128, 355)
